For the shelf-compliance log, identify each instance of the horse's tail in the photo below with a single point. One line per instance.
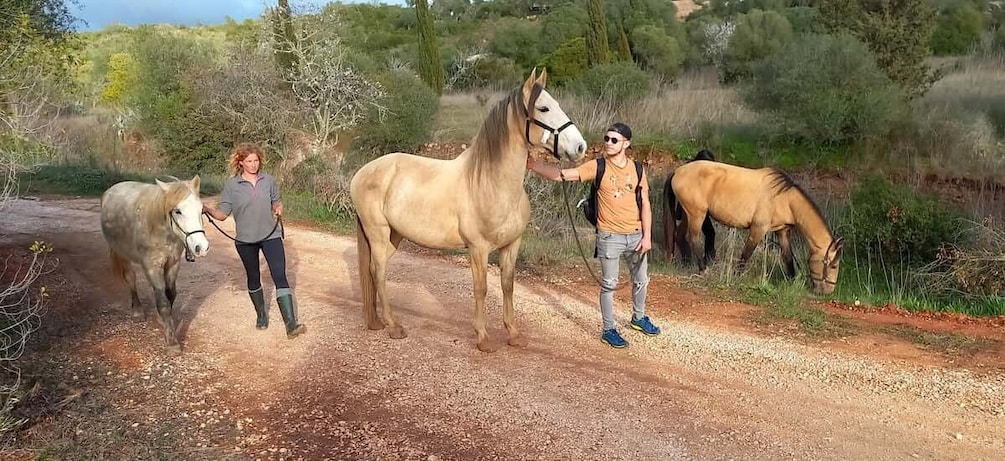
(119, 265)
(367, 287)
(669, 216)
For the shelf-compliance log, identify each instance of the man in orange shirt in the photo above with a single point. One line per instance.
(623, 227)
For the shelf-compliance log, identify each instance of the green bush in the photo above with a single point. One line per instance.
(826, 89)
(657, 51)
(896, 222)
(758, 34)
(620, 82)
(958, 29)
(411, 108)
(568, 61)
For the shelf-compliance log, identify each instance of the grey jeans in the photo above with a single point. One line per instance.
(610, 249)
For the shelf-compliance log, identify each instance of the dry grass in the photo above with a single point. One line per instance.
(960, 121)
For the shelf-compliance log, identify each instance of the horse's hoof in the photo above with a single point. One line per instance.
(487, 346)
(375, 325)
(138, 315)
(174, 349)
(517, 341)
(397, 332)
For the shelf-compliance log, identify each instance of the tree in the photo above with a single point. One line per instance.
(896, 31)
(337, 95)
(285, 40)
(430, 67)
(597, 49)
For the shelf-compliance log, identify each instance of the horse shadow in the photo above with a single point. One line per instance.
(458, 321)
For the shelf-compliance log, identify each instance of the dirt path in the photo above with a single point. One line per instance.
(707, 388)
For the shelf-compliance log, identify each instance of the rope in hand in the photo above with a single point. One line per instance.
(279, 220)
(575, 233)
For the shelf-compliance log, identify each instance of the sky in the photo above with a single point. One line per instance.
(100, 13)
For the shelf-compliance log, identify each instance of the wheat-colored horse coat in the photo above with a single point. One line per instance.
(761, 200)
(475, 201)
(153, 225)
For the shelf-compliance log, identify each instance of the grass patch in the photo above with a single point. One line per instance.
(89, 181)
(785, 303)
(872, 282)
(949, 344)
(305, 206)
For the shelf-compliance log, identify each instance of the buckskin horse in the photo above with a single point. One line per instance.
(675, 222)
(761, 200)
(475, 201)
(153, 225)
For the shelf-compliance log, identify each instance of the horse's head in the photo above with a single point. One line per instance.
(185, 212)
(547, 125)
(824, 270)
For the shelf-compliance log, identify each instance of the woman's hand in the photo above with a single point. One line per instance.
(530, 161)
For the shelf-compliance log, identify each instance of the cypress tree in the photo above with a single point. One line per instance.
(430, 68)
(283, 29)
(624, 50)
(597, 50)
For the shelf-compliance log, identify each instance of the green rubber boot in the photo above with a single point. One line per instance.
(258, 299)
(285, 300)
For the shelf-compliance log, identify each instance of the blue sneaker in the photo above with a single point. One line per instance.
(645, 326)
(613, 339)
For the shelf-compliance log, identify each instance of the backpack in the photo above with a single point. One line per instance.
(590, 202)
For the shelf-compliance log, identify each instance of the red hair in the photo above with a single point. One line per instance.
(241, 152)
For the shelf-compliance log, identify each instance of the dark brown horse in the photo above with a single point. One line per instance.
(762, 200)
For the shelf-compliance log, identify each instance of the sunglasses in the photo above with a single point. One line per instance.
(612, 140)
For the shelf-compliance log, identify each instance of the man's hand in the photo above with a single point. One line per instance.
(645, 245)
(277, 209)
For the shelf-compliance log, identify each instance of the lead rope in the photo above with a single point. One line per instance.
(279, 219)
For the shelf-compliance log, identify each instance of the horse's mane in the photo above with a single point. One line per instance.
(163, 202)
(782, 182)
(493, 136)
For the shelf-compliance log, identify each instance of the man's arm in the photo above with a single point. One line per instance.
(552, 172)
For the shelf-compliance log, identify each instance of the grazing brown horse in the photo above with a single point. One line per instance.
(475, 201)
(762, 200)
(153, 225)
(675, 222)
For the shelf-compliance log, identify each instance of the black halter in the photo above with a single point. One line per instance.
(184, 240)
(534, 94)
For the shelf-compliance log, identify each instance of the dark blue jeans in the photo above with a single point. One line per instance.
(275, 257)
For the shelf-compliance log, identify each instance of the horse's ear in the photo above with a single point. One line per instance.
(529, 84)
(163, 185)
(543, 78)
(195, 183)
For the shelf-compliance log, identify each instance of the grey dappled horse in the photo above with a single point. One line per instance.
(153, 225)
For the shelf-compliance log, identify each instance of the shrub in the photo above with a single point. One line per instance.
(895, 222)
(758, 34)
(826, 89)
(657, 51)
(411, 107)
(568, 61)
(620, 82)
(958, 29)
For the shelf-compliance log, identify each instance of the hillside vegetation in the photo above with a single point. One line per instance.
(891, 113)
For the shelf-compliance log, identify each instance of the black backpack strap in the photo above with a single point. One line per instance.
(638, 186)
(601, 166)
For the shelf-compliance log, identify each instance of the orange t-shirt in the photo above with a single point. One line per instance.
(617, 210)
